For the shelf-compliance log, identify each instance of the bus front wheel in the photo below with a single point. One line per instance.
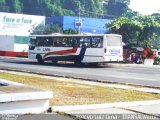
(39, 59)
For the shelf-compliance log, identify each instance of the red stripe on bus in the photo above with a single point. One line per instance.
(62, 52)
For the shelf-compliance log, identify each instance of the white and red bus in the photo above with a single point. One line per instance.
(96, 48)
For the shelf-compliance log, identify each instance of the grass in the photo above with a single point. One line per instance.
(70, 93)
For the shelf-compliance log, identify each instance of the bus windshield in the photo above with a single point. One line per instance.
(114, 41)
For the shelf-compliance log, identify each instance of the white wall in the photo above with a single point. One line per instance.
(20, 47)
(12, 25)
(6, 43)
(18, 24)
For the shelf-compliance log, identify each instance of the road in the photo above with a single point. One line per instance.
(137, 75)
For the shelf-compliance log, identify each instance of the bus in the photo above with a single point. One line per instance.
(95, 48)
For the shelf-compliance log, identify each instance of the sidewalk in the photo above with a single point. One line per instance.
(131, 107)
(122, 110)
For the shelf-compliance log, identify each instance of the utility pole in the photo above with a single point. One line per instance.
(79, 21)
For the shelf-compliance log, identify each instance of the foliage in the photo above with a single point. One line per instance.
(136, 29)
(86, 8)
(156, 61)
(117, 7)
(53, 28)
(125, 27)
(37, 30)
(47, 29)
(70, 31)
(50, 29)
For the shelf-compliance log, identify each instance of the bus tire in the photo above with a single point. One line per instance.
(39, 59)
(77, 62)
(54, 61)
(93, 64)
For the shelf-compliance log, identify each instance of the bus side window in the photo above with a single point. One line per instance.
(67, 42)
(99, 43)
(76, 42)
(47, 42)
(70, 42)
(81, 42)
(73, 42)
(38, 42)
(96, 42)
(87, 42)
(55, 43)
(33, 42)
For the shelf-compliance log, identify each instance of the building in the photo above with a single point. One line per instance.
(14, 32)
(86, 25)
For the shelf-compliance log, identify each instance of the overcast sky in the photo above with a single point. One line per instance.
(145, 7)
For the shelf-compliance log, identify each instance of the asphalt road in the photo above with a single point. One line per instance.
(137, 75)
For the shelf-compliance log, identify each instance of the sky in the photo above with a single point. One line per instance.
(145, 7)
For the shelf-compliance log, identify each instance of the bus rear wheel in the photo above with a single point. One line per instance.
(54, 61)
(77, 62)
(93, 64)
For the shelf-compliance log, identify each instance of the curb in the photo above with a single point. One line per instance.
(132, 65)
(103, 106)
(9, 83)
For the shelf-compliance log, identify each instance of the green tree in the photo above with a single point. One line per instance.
(38, 30)
(46, 29)
(129, 29)
(14, 6)
(117, 7)
(17, 6)
(137, 30)
(87, 8)
(3, 6)
(53, 28)
(156, 16)
(70, 31)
